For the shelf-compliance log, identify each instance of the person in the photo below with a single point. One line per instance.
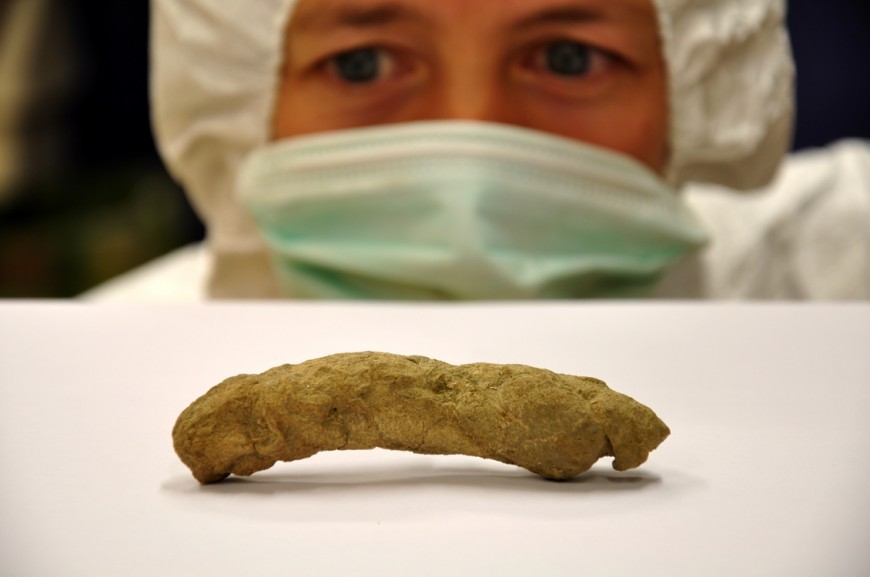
(483, 149)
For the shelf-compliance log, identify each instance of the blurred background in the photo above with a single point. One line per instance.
(84, 196)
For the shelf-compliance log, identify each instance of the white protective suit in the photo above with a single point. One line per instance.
(215, 79)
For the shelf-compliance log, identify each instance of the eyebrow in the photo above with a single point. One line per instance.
(560, 15)
(342, 15)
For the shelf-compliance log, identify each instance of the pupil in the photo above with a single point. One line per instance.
(358, 66)
(568, 58)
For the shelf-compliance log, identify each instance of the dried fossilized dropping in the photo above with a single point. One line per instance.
(555, 425)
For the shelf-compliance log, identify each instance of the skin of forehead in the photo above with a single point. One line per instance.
(629, 22)
(317, 12)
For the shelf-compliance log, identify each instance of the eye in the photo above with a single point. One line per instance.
(361, 66)
(568, 68)
(568, 58)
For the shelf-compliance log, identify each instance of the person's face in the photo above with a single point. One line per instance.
(591, 70)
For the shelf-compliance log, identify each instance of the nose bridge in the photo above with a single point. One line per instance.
(471, 89)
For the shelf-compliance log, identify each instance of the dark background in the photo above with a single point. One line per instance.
(95, 201)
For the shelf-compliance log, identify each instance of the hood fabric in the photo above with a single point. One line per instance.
(215, 74)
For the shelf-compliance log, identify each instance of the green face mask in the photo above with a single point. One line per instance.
(462, 210)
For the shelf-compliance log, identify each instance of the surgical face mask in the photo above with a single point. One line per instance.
(462, 210)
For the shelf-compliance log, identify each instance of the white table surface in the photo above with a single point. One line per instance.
(766, 472)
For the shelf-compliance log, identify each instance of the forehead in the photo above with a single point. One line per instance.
(328, 13)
